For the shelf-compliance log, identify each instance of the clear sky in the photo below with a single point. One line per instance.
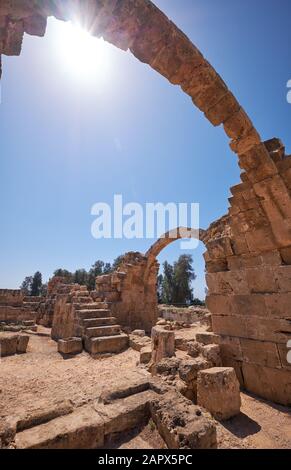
(70, 140)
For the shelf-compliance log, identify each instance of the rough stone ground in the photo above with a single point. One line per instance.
(42, 377)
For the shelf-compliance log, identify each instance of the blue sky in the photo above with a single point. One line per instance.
(68, 142)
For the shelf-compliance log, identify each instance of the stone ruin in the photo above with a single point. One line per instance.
(248, 251)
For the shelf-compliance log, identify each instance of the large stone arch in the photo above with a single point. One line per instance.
(171, 236)
(248, 257)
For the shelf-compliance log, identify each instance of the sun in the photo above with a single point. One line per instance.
(82, 54)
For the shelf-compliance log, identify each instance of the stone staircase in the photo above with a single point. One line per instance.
(94, 323)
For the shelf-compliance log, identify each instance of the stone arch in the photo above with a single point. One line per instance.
(170, 237)
(248, 257)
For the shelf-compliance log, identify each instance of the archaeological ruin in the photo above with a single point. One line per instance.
(247, 259)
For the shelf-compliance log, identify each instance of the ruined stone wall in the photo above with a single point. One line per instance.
(248, 251)
(131, 292)
(15, 307)
(13, 297)
(248, 262)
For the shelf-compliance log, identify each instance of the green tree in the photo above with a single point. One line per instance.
(107, 268)
(160, 287)
(183, 276)
(36, 284)
(43, 290)
(96, 270)
(117, 262)
(167, 283)
(64, 273)
(81, 277)
(26, 285)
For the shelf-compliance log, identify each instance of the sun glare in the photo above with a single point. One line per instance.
(83, 55)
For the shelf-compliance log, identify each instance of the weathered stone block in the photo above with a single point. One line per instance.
(269, 383)
(260, 352)
(223, 110)
(70, 345)
(82, 429)
(207, 337)
(8, 345)
(35, 25)
(211, 352)
(278, 305)
(181, 424)
(246, 142)
(237, 125)
(286, 255)
(218, 391)
(22, 343)
(189, 368)
(230, 348)
(145, 355)
(163, 343)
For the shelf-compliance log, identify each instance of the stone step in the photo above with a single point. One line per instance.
(93, 313)
(97, 331)
(89, 427)
(106, 344)
(82, 429)
(90, 322)
(91, 306)
(81, 299)
(31, 305)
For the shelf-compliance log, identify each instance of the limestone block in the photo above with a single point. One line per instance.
(22, 343)
(8, 345)
(82, 429)
(260, 237)
(219, 248)
(246, 142)
(230, 349)
(153, 36)
(137, 342)
(70, 345)
(269, 383)
(182, 424)
(211, 352)
(163, 343)
(218, 391)
(286, 255)
(193, 348)
(211, 95)
(260, 352)
(223, 110)
(14, 37)
(138, 332)
(35, 25)
(278, 305)
(222, 304)
(145, 355)
(283, 274)
(257, 163)
(237, 125)
(200, 80)
(189, 368)
(167, 366)
(258, 328)
(253, 304)
(207, 337)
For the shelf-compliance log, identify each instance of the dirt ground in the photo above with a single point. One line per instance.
(42, 377)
